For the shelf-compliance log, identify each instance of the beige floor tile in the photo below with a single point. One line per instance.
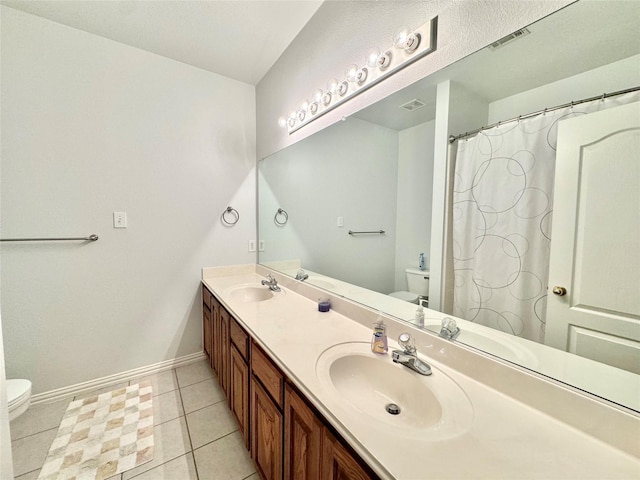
(101, 390)
(182, 468)
(162, 382)
(29, 453)
(167, 406)
(210, 423)
(225, 458)
(255, 476)
(38, 418)
(194, 373)
(200, 395)
(29, 476)
(171, 440)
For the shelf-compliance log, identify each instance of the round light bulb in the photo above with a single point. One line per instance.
(313, 108)
(317, 95)
(282, 122)
(352, 72)
(304, 106)
(400, 37)
(332, 86)
(372, 57)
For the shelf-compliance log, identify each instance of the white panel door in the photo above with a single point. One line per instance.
(595, 246)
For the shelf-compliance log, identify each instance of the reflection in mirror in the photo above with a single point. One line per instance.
(375, 171)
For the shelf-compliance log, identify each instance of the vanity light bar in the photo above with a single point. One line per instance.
(408, 46)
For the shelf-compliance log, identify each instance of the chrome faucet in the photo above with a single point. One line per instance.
(272, 283)
(301, 275)
(449, 329)
(408, 356)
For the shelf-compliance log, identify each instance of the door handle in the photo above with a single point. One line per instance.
(560, 291)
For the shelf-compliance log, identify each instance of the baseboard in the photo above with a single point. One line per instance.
(79, 388)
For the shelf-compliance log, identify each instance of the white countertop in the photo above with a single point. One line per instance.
(506, 438)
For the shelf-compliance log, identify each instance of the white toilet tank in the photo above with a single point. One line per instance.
(418, 281)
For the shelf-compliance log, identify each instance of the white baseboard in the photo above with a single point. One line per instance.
(80, 388)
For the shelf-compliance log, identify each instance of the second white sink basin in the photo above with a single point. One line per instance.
(250, 293)
(365, 383)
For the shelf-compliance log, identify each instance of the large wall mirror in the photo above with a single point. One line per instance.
(354, 205)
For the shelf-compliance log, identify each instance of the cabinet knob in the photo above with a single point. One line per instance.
(560, 291)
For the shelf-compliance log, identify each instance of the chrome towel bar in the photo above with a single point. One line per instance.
(375, 232)
(90, 238)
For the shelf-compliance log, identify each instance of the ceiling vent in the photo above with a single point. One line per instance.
(509, 38)
(412, 105)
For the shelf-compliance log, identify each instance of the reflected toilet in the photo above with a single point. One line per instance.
(418, 283)
(18, 397)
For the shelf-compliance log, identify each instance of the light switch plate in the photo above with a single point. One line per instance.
(252, 246)
(261, 245)
(119, 219)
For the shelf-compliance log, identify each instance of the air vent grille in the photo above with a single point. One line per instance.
(509, 38)
(412, 105)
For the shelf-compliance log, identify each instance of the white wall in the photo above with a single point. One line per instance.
(415, 190)
(89, 127)
(340, 33)
(351, 175)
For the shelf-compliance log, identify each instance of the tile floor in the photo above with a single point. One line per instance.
(196, 436)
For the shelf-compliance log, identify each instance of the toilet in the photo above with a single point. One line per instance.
(18, 396)
(418, 282)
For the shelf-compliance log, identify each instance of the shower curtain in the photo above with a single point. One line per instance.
(501, 220)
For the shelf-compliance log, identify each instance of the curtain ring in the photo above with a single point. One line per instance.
(281, 221)
(235, 216)
(603, 96)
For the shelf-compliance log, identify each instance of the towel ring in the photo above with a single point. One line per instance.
(279, 216)
(235, 216)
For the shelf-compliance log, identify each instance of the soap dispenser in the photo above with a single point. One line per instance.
(421, 262)
(379, 339)
(420, 316)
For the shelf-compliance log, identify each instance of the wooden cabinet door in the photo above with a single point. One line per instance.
(239, 392)
(207, 330)
(223, 373)
(337, 461)
(266, 433)
(215, 336)
(302, 439)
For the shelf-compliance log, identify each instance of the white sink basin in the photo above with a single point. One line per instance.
(250, 293)
(365, 383)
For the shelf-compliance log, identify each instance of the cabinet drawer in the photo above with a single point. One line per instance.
(269, 375)
(239, 338)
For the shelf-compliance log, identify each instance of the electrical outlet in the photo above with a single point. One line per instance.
(252, 246)
(261, 245)
(119, 219)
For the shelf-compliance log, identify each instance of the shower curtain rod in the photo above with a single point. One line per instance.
(453, 138)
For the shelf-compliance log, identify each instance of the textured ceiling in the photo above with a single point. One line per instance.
(239, 39)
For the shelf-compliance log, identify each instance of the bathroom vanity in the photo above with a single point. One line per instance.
(309, 396)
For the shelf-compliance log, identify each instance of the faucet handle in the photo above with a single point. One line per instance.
(450, 329)
(407, 342)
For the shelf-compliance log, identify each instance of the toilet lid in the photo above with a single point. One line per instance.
(17, 389)
(406, 296)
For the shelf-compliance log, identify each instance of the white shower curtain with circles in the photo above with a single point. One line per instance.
(501, 227)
